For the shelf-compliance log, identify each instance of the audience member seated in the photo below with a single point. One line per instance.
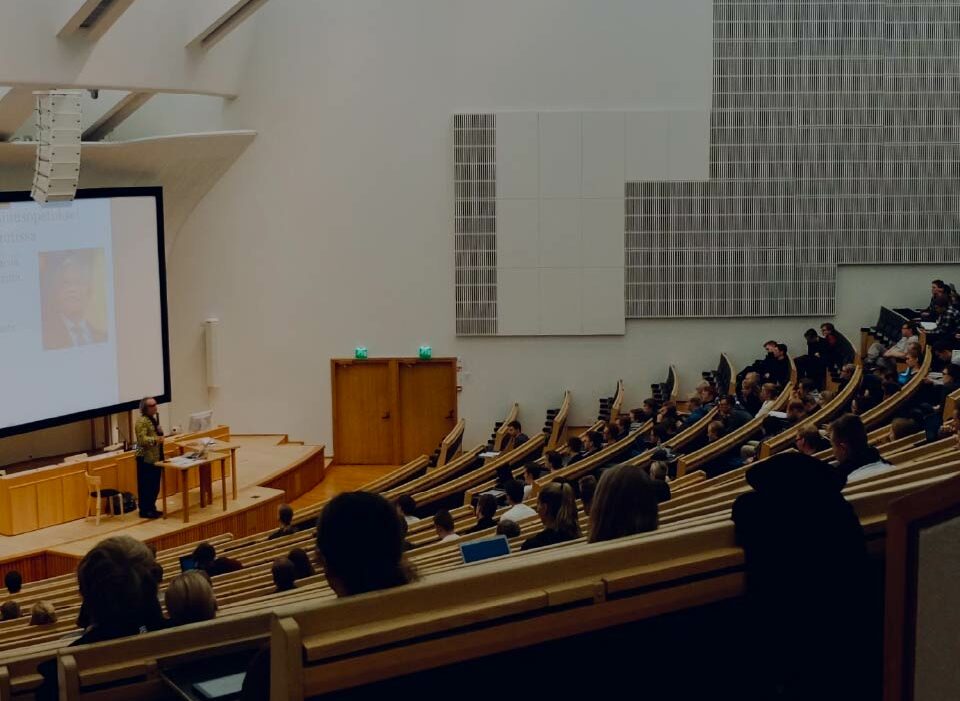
(750, 393)
(118, 591)
(515, 436)
(942, 355)
(557, 508)
(879, 356)
(43, 613)
(707, 395)
(588, 487)
(890, 388)
(518, 510)
(592, 442)
(9, 610)
(531, 473)
(768, 397)
(611, 433)
(806, 392)
(774, 367)
(796, 414)
(809, 441)
(575, 450)
(554, 460)
(947, 319)
(360, 544)
(486, 508)
(846, 374)
(725, 461)
(407, 505)
(206, 557)
(856, 458)
(13, 581)
(913, 363)
(189, 598)
(833, 356)
(668, 423)
(284, 574)
(812, 631)
(902, 427)
(625, 504)
(508, 528)
(648, 412)
(443, 523)
(730, 415)
(285, 516)
(938, 288)
(659, 470)
(301, 563)
(813, 365)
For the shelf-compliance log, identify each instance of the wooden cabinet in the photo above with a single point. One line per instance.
(388, 411)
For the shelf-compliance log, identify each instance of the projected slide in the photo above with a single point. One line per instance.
(81, 314)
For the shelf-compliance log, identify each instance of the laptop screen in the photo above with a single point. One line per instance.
(478, 550)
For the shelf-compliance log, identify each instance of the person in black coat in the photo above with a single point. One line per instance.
(811, 603)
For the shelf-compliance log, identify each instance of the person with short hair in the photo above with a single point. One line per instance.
(531, 473)
(189, 598)
(360, 543)
(150, 438)
(730, 415)
(206, 558)
(43, 613)
(301, 563)
(659, 471)
(913, 363)
(508, 528)
(518, 510)
(285, 517)
(611, 433)
(625, 504)
(485, 511)
(942, 355)
(554, 460)
(407, 506)
(515, 436)
(557, 509)
(443, 523)
(881, 356)
(750, 393)
(13, 581)
(855, 457)
(9, 611)
(938, 288)
(902, 427)
(588, 487)
(707, 395)
(809, 441)
(574, 449)
(284, 574)
(592, 442)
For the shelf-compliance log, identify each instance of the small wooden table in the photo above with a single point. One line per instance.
(206, 483)
(188, 446)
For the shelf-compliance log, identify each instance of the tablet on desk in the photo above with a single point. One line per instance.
(478, 550)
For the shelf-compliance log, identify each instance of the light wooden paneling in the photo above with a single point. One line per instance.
(23, 508)
(74, 495)
(49, 502)
(428, 405)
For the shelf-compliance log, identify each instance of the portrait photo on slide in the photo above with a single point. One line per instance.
(73, 298)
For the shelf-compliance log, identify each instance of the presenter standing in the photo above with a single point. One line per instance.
(149, 452)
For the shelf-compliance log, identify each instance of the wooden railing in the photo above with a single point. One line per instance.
(559, 427)
(450, 445)
(889, 406)
(500, 437)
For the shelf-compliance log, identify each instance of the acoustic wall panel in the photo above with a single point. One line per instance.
(832, 138)
(560, 233)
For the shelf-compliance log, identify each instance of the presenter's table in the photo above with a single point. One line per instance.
(200, 444)
(203, 467)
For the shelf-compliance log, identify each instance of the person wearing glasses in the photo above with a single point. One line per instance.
(149, 452)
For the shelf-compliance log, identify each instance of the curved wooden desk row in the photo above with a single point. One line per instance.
(57, 494)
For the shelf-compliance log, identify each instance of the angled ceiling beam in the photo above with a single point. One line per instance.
(225, 23)
(115, 115)
(93, 18)
(16, 106)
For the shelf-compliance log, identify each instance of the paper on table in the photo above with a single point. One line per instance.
(928, 325)
(183, 461)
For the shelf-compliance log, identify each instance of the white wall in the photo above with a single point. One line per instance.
(145, 48)
(334, 228)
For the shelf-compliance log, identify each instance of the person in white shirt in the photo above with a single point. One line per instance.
(407, 505)
(518, 510)
(531, 473)
(855, 457)
(443, 522)
(887, 358)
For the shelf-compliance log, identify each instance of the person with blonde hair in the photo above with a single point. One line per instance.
(625, 504)
(189, 598)
(557, 509)
(43, 613)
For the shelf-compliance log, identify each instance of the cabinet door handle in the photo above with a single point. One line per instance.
(385, 416)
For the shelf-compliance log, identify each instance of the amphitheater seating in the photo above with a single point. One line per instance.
(669, 389)
(455, 612)
(499, 435)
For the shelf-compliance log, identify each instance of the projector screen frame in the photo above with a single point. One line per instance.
(156, 192)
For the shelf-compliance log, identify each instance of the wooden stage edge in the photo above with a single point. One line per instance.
(254, 511)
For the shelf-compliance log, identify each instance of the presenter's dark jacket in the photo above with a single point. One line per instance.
(56, 333)
(148, 441)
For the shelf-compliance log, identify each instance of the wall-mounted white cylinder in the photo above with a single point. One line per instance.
(211, 346)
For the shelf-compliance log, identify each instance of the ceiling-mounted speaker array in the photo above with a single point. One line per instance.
(57, 168)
